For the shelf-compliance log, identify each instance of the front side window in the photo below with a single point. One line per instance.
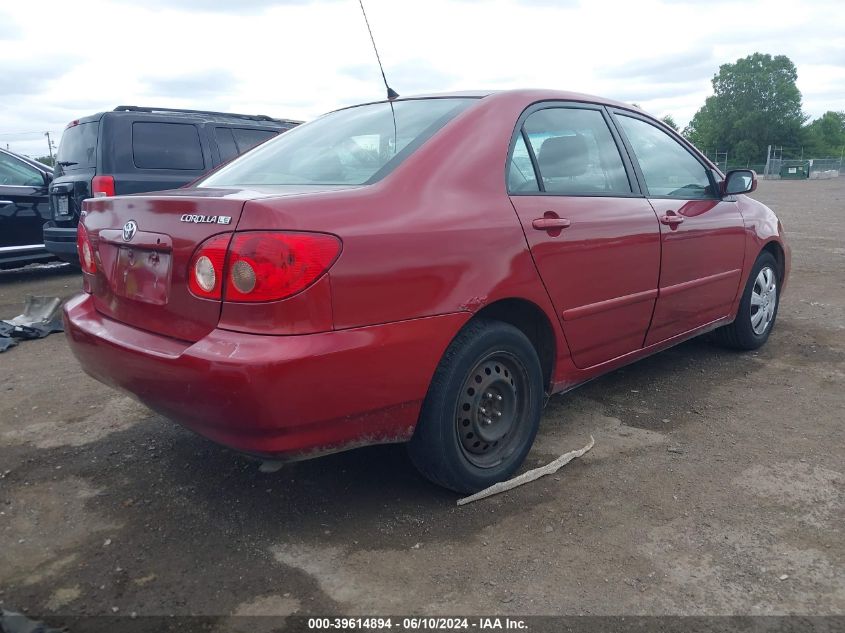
(166, 146)
(16, 173)
(351, 146)
(576, 153)
(668, 168)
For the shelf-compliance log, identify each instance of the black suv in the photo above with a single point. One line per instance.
(135, 150)
(23, 209)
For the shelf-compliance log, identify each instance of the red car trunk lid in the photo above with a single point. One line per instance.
(143, 247)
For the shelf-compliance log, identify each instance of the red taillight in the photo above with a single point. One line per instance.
(261, 266)
(267, 266)
(85, 250)
(102, 186)
(205, 276)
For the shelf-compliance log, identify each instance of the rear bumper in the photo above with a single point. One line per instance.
(288, 397)
(61, 242)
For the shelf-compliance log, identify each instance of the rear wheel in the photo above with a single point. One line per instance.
(482, 409)
(758, 307)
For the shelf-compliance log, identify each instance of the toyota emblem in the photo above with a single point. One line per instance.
(129, 230)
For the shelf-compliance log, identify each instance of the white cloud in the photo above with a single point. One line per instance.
(299, 58)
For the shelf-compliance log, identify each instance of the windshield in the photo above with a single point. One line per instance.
(78, 147)
(348, 147)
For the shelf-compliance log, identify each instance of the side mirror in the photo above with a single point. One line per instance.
(739, 181)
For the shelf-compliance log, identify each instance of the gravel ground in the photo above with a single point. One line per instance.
(715, 487)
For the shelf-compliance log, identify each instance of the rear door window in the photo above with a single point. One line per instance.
(247, 139)
(232, 141)
(521, 176)
(575, 152)
(166, 146)
(225, 143)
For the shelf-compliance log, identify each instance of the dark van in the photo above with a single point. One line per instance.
(137, 149)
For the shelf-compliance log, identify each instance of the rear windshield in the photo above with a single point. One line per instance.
(352, 146)
(78, 147)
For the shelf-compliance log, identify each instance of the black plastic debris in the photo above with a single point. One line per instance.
(41, 316)
(12, 622)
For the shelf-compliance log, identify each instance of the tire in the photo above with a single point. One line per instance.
(482, 410)
(750, 330)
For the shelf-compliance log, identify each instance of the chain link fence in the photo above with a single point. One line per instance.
(826, 168)
(797, 169)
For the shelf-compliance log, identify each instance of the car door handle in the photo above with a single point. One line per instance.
(550, 224)
(672, 219)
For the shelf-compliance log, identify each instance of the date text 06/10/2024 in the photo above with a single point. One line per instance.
(417, 624)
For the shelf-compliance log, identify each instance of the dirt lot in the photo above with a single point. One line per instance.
(715, 487)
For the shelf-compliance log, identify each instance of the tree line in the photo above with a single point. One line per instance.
(756, 103)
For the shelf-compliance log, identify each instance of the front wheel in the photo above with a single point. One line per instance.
(758, 307)
(482, 410)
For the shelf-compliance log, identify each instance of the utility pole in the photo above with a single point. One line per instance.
(50, 147)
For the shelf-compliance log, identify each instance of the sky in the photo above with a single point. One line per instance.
(61, 59)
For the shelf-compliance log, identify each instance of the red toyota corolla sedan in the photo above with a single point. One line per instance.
(428, 278)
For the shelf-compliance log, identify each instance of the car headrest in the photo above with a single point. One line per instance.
(563, 156)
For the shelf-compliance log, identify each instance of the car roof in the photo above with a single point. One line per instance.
(529, 95)
(27, 159)
(257, 120)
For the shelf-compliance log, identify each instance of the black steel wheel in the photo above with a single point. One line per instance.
(482, 409)
(491, 405)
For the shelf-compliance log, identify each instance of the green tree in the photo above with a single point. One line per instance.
(825, 137)
(755, 103)
(670, 121)
(46, 160)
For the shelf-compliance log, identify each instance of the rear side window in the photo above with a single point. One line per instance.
(668, 168)
(78, 147)
(576, 153)
(166, 146)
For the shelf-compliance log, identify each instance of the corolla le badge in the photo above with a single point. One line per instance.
(129, 230)
(206, 219)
